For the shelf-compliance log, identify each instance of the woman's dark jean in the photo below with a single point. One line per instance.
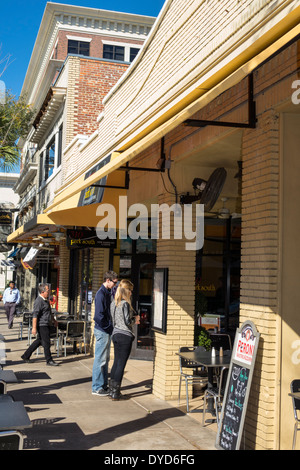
(122, 350)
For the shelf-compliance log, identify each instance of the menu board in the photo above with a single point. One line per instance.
(238, 387)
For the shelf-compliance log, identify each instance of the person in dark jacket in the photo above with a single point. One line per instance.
(102, 331)
(42, 321)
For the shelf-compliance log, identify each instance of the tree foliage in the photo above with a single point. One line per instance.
(15, 120)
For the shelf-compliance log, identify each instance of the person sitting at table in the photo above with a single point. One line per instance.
(123, 319)
(41, 326)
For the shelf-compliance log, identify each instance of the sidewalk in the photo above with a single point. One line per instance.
(66, 416)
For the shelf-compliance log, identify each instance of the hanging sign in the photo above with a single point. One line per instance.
(94, 194)
(5, 218)
(238, 387)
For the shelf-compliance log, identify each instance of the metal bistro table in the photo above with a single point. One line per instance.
(205, 359)
(13, 416)
(8, 376)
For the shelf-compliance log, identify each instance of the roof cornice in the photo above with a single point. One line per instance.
(55, 17)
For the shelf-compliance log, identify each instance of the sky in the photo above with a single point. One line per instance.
(20, 21)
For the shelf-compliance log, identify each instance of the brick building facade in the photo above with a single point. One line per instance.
(79, 55)
(180, 75)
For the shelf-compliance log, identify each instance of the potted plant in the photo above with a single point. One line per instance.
(204, 338)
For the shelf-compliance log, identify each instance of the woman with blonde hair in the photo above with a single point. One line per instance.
(123, 319)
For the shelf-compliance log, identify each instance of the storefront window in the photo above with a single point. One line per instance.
(86, 295)
(218, 272)
(145, 246)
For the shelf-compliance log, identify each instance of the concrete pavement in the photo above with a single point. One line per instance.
(66, 416)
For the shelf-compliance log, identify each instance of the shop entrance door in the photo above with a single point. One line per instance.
(142, 277)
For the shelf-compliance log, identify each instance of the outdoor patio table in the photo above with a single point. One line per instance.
(13, 416)
(8, 376)
(205, 359)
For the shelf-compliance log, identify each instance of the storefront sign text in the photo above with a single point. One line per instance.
(87, 239)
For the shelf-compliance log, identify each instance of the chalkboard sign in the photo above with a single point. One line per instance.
(238, 387)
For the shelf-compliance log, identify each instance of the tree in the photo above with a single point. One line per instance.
(15, 120)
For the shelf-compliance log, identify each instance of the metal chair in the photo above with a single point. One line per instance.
(11, 440)
(75, 333)
(3, 387)
(26, 322)
(295, 387)
(220, 340)
(217, 393)
(4, 397)
(199, 375)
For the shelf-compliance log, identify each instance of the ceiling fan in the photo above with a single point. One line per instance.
(208, 191)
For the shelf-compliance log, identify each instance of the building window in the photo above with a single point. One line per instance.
(50, 159)
(59, 150)
(78, 47)
(116, 51)
(51, 156)
(113, 52)
(133, 53)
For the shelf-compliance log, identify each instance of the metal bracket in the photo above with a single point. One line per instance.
(251, 114)
(127, 169)
(161, 164)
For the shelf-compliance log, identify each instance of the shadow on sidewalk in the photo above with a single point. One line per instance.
(68, 436)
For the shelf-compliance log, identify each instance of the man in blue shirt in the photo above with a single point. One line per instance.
(11, 298)
(102, 332)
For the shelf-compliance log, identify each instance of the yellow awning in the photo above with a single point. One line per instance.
(225, 78)
(70, 214)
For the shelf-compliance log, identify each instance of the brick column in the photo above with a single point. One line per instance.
(260, 270)
(180, 311)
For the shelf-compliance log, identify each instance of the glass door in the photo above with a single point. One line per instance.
(142, 278)
(135, 260)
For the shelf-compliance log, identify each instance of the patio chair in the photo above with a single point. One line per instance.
(3, 387)
(295, 387)
(217, 393)
(11, 440)
(221, 340)
(197, 374)
(75, 333)
(26, 322)
(5, 398)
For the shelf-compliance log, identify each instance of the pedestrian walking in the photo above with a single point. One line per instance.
(42, 322)
(11, 298)
(123, 319)
(102, 332)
